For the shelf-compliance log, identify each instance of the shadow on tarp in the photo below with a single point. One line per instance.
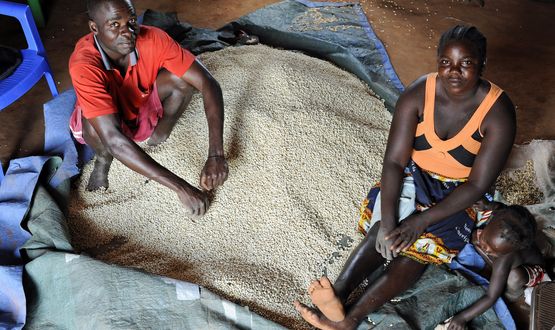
(46, 284)
(66, 290)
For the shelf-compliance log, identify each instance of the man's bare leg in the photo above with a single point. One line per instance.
(103, 159)
(175, 95)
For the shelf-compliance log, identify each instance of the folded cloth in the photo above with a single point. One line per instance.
(536, 275)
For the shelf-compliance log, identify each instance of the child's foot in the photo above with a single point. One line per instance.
(323, 296)
(310, 316)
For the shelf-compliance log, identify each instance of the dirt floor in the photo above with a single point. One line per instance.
(519, 32)
(521, 49)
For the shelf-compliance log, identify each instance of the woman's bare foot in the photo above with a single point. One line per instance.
(323, 296)
(99, 175)
(312, 317)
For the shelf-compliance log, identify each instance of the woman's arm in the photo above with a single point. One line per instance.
(499, 129)
(397, 154)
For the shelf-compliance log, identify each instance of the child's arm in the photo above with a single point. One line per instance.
(498, 281)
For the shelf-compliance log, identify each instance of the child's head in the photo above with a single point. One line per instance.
(510, 229)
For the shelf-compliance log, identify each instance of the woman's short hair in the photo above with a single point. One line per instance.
(466, 33)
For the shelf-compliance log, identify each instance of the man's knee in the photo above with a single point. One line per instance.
(172, 86)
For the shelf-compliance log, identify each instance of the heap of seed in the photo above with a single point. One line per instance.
(304, 141)
(519, 186)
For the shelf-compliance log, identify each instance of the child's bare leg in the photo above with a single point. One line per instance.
(362, 262)
(516, 283)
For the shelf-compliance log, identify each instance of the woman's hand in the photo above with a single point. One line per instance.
(383, 246)
(406, 233)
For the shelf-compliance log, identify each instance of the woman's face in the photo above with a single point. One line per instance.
(459, 67)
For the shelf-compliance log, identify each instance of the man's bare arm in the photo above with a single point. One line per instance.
(215, 170)
(131, 155)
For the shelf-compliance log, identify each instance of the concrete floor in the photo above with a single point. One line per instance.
(521, 49)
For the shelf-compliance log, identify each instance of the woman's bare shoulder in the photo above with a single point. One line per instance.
(414, 93)
(502, 115)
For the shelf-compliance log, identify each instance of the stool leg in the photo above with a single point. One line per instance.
(37, 12)
(51, 83)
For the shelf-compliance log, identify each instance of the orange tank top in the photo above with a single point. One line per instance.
(454, 157)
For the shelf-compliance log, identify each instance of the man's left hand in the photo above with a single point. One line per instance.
(214, 173)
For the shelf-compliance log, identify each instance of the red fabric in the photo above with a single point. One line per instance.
(149, 113)
(100, 91)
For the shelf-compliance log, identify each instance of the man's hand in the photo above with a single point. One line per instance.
(193, 199)
(383, 246)
(214, 173)
(406, 233)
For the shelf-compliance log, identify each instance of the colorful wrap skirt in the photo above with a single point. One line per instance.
(441, 242)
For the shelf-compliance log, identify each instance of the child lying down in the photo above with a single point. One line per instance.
(505, 238)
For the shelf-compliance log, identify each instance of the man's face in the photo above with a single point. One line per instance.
(115, 25)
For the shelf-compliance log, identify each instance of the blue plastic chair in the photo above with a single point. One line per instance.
(34, 64)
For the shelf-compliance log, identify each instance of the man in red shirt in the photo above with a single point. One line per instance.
(132, 83)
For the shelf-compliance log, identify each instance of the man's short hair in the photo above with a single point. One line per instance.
(93, 5)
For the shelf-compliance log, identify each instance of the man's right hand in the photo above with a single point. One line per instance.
(194, 200)
(383, 246)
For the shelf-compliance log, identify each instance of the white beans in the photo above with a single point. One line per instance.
(304, 141)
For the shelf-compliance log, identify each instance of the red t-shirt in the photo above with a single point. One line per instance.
(101, 90)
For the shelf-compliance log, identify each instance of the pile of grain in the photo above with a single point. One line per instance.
(304, 141)
(519, 186)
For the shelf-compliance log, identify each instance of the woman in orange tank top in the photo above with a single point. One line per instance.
(452, 132)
